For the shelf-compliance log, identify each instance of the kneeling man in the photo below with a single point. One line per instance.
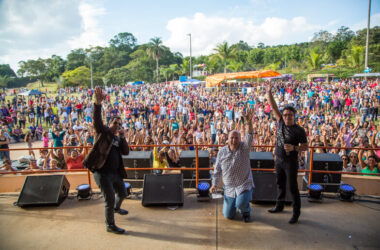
(233, 165)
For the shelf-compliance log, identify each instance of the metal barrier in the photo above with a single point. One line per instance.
(196, 146)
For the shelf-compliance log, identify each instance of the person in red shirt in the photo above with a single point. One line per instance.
(74, 160)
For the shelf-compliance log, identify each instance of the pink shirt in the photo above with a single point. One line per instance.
(46, 142)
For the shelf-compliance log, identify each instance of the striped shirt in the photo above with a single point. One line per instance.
(235, 168)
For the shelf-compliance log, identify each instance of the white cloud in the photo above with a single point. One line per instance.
(31, 29)
(375, 21)
(207, 32)
(92, 33)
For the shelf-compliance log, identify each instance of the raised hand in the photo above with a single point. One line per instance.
(99, 96)
(248, 115)
(269, 87)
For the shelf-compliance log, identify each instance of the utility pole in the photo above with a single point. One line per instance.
(92, 80)
(367, 40)
(191, 67)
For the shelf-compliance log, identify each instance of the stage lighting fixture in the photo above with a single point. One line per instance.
(84, 191)
(315, 192)
(204, 191)
(346, 192)
(127, 186)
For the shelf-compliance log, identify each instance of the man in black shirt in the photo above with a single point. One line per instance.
(291, 139)
(105, 161)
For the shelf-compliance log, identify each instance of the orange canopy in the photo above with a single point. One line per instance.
(216, 79)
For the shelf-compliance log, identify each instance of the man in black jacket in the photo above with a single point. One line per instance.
(105, 161)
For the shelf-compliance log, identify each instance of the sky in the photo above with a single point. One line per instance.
(30, 29)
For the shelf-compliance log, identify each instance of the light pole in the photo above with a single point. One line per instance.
(92, 80)
(367, 41)
(191, 67)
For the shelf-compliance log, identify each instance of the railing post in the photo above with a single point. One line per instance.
(196, 166)
(89, 178)
(311, 164)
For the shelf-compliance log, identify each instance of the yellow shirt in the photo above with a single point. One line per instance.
(55, 110)
(156, 162)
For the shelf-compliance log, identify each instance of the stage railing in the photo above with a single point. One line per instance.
(196, 147)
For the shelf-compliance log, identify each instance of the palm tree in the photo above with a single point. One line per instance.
(355, 57)
(235, 66)
(184, 67)
(212, 64)
(174, 70)
(155, 50)
(165, 72)
(4, 80)
(224, 52)
(314, 60)
(274, 66)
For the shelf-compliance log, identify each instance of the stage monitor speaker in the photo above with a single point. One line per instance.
(163, 190)
(138, 159)
(43, 190)
(328, 162)
(261, 160)
(266, 188)
(187, 159)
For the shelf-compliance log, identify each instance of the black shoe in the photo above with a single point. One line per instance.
(247, 217)
(276, 209)
(114, 229)
(294, 219)
(121, 211)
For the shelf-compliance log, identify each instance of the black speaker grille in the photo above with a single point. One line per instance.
(165, 189)
(266, 188)
(43, 190)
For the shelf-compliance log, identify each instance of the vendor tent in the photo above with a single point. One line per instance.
(32, 92)
(135, 83)
(217, 79)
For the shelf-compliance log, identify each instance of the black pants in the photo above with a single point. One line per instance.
(109, 184)
(286, 173)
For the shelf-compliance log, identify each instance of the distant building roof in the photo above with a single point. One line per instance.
(367, 75)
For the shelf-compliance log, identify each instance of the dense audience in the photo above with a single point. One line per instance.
(343, 113)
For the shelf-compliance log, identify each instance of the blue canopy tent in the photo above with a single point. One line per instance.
(32, 92)
(135, 83)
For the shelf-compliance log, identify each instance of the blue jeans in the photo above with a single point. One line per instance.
(241, 202)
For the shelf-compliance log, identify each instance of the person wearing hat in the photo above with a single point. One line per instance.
(105, 161)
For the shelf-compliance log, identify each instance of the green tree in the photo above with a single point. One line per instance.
(75, 59)
(225, 52)
(118, 76)
(155, 50)
(4, 80)
(314, 60)
(6, 70)
(123, 41)
(35, 68)
(80, 76)
(185, 67)
(55, 66)
(355, 58)
(165, 72)
(175, 70)
(235, 66)
(213, 64)
(141, 65)
(256, 57)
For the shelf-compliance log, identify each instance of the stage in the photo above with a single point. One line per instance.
(332, 224)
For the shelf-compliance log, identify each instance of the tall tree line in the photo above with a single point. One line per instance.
(124, 60)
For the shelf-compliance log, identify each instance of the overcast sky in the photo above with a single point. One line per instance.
(40, 28)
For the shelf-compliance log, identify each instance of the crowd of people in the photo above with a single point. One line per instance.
(341, 113)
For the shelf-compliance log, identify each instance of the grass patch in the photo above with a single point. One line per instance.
(49, 87)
